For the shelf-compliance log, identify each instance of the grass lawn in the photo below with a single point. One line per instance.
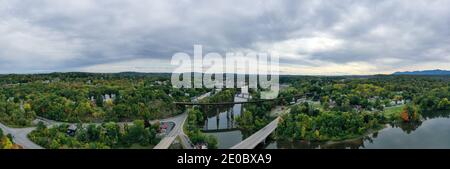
(392, 112)
(317, 105)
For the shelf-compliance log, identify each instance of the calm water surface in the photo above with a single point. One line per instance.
(430, 133)
(223, 126)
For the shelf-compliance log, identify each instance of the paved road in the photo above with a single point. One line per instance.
(174, 133)
(186, 142)
(252, 141)
(52, 123)
(20, 136)
(178, 131)
(164, 143)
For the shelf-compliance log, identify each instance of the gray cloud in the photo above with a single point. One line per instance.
(54, 35)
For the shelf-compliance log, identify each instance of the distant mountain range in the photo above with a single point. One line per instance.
(424, 72)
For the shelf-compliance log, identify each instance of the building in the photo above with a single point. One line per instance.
(72, 130)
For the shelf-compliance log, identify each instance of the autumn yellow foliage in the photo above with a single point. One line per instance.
(6, 143)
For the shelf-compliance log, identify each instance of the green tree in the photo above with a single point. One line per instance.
(112, 133)
(212, 142)
(41, 126)
(136, 132)
(444, 104)
(93, 132)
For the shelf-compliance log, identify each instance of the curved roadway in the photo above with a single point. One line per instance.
(20, 136)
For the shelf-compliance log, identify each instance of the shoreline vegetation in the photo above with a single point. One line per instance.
(394, 113)
(389, 116)
(197, 117)
(329, 109)
(358, 110)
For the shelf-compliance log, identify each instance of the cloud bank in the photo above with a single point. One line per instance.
(311, 37)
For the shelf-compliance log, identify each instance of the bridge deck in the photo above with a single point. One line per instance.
(165, 143)
(252, 141)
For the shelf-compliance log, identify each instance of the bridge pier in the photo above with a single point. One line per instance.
(232, 114)
(206, 123)
(218, 118)
(228, 118)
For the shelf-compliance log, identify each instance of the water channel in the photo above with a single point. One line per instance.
(432, 133)
(222, 125)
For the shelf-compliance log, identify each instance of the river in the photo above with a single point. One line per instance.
(431, 133)
(223, 126)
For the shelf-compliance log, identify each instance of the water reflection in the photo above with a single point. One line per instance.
(432, 132)
(222, 117)
(221, 123)
(349, 144)
(227, 139)
(435, 114)
(407, 127)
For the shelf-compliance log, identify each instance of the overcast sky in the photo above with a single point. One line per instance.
(312, 37)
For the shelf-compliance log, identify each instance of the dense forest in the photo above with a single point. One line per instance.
(86, 97)
(321, 108)
(255, 116)
(93, 136)
(337, 108)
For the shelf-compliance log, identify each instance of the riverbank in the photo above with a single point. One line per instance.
(355, 138)
(326, 127)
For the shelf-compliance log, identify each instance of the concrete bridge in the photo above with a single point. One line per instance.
(249, 143)
(258, 137)
(261, 135)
